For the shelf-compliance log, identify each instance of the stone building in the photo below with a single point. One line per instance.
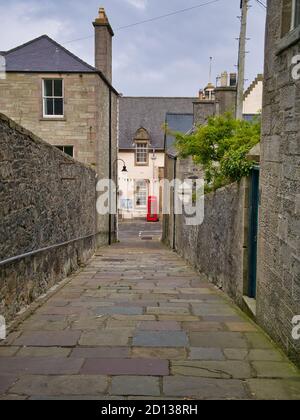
(67, 102)
(278, 294)
(142, 139)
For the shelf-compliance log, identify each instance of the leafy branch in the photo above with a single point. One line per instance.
(221, 147)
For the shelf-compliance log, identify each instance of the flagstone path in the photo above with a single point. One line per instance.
(139, 323)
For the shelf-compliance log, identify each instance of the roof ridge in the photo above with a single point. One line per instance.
(25, 44)
(75, 57)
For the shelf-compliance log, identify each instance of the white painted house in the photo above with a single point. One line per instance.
(142, 150)
(253, 97)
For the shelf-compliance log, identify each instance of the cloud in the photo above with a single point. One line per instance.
(20, 22)
(139, 4)
(165, 57)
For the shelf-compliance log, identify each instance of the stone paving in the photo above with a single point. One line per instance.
(136, 323)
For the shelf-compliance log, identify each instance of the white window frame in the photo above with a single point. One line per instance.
(145, 146)
(46, 116)
(140, 206)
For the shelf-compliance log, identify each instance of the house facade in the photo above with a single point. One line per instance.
(253, 98)
(142, 138)
(67, 102)
(278, 294)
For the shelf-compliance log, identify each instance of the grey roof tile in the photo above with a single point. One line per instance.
(43, 54)
(177, 123)
(149, 113)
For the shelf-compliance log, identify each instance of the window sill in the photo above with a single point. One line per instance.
(53, 119)
(288, 41)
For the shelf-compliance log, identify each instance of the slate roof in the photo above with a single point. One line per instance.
(44, 55)
(149, 113)
(180, 123)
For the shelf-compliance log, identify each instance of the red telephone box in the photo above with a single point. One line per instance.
(152, 214)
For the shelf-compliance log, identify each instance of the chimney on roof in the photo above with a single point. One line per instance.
(103, 44)
(233, 79)
(224, 79)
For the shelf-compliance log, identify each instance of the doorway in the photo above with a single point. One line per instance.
(253, 231)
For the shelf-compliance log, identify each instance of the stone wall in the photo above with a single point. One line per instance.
(279, 240)
(218, 247)
(47, 199)
(85, 126)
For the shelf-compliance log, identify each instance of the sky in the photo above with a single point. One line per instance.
(168, 57)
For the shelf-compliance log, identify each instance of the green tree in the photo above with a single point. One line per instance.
(221, 147)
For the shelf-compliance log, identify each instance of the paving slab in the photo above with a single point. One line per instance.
(203, 388)
(273, 389)
(112, 310)
(48, 339)
(160, 339)
(101, 352)
(202, 326)
(266, 355)
(212, 369)
(167, 353)
(6, 382)
(198, 353)
(40, 385)
(266, 369)
(40, 365)
(44, 352)
(159, 326)
(109, 337)
(217, 339)
(8, 351)
(135, 385)
(117, 367)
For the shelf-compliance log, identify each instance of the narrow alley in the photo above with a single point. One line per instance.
(135, 323)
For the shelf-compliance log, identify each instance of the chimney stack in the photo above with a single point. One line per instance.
(224, 79)
(103, 44)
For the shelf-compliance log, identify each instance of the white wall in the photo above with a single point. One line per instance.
(253, 102)
(127, 181)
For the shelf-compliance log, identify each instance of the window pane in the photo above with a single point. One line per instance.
(48, 91)
(58, 88)
(69, 150)
(297, 11)
(142, 153)
(58, 107)
(48, 106)
(141, 194)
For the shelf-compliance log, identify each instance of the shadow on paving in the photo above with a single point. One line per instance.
(138, 322)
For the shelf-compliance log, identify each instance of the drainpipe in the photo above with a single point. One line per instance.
(174, 200)
(110, 167)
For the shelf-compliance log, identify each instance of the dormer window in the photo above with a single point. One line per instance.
(142, 143)
(290, 16)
